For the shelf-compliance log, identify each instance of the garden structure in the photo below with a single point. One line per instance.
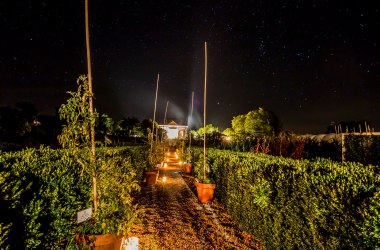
(174, 131)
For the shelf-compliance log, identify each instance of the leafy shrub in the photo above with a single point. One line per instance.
(293, 204)
(42, 190)
(323, 149)
(363, 149)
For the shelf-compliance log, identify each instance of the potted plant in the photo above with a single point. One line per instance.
(186, 158)
(204, 182)
(155, 157)
(115, 212)
(109, 178)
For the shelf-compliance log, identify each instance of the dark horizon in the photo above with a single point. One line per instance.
(310, 63)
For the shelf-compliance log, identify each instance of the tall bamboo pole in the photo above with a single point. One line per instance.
(191, 117)
(166, 110)
(154, 114)
(204, 115)
(91, 104)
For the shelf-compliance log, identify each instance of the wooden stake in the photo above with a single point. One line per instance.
(91, 104)
(154, 113)
(343, 148)
(204, 115)
(166, 110)
(191, 117)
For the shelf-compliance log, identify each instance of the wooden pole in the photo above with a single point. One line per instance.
(191, 118)
(343, 148)
(204, 115)
(166, 110)
(91, 104)
(154, 113)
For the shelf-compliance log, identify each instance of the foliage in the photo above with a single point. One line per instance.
(210, 130)
(293, 204)
(4, 232)
(261, 122)
(186, 156)
(112, 176)
(156, 153)
(76, 114)
(213, 136)
(238, 124)
(371, 229)
(364, 149)
(20, 125)
(116, 178)
(104, 129)
(42, 190)
(228, 132)
(323, 149)
(199, 169)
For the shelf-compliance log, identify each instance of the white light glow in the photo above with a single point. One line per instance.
(131, 243)
(172, 133)
(164, 179)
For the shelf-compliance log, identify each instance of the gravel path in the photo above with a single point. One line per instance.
(175, 219)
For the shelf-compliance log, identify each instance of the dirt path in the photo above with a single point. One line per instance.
(176, 220)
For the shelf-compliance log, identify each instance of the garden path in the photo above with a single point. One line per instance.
(175, 219)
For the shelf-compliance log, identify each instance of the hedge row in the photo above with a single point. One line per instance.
(291, 204)
(362, 148)
(43, 189)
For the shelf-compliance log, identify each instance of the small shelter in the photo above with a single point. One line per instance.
(174, 131)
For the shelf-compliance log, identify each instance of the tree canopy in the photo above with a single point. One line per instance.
(238, 124)
(259, 122)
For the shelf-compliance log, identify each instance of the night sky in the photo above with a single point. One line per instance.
(310, 62)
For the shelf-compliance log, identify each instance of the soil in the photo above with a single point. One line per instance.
(175, 219)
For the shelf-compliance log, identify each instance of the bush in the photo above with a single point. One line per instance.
(293, 204)
(42, 190)
(363, 149)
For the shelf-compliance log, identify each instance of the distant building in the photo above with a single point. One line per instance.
(174, 131)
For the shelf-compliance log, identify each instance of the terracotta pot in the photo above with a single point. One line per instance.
(187, 167)
(205, 192)
(100, 241)
(151, 177)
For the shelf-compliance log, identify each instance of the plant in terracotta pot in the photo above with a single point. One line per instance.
(204, 182)
(110, 177)
(156, 156)
(186, 158)
(115, 212)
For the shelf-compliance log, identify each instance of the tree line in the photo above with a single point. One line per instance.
(21, 126)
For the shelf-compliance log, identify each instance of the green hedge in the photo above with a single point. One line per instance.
(291, 204)
(41, 192)
(363, 148)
